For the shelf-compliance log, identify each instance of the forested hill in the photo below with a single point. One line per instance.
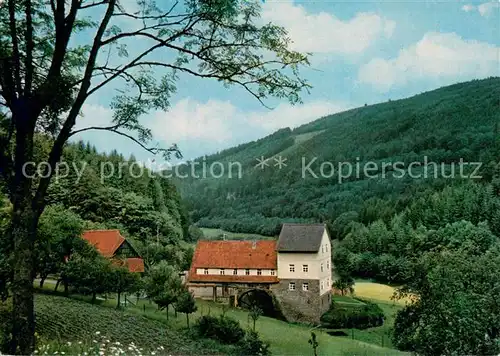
(447, 125)
(109, 191)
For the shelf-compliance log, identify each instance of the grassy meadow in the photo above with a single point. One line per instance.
(75, 319)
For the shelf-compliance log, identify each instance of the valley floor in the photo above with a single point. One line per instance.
(74, 319)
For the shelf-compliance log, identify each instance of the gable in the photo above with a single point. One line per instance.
(301, 238)
(106, 242)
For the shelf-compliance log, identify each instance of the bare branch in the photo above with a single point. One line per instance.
(28, 64)
(88, 6)
(65, 132)
(16, 58)
(113, 129)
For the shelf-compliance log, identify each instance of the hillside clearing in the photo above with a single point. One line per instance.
(378, 292)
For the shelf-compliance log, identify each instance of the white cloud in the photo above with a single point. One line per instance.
(435, 56)
(222, 122)
(323, 32)
(485, 9)
(468, 8)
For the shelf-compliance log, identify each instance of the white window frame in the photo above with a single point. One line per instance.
(305, 268)
(273, 272)
(291, 286)
(205, 271)
(305, 287)
(259, 272)
(291, 268)
(222, 272)
(247, 271)
(235, 271)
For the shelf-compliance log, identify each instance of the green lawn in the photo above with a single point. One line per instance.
(285, 338)
(215, 233)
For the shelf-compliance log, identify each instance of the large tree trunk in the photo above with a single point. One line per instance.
(23, 233)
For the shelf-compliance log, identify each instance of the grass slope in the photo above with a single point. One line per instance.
(69, 319)
(64, 319)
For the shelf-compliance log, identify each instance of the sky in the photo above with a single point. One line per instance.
(363, 52)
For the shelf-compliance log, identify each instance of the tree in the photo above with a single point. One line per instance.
(59, 234)
(46, 76)
(89, 276)
(344, 284)
(163, 285)
(121, 281)
(186, 304)
(254, 314)
(314, 343)
(462, 289)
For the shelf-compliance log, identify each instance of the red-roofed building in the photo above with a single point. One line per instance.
(295, 271)
(221, 267)
(111, 244)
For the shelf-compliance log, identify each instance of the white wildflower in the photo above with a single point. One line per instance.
(97, 332)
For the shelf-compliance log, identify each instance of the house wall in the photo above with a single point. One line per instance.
(318, 265)
(299, 305)
(240, 272)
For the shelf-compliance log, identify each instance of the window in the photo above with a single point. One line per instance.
(305, 268)
(292, 268)
(321, 266)
(291, 286)
(205, 271)
(327, 264)
(272, 272)
(235, 271)
(322, 249)
(321, 286)
(328, 283)
(305, 287)
(221, 271)
(326, 247)
(247, 272)
(259, 272)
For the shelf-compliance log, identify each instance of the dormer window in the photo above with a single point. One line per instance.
(205, 271)
(221, 271)
(272, 272)
(247, 272)
(259, 272)
(235, 271)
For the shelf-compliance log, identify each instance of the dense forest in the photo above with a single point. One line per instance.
(93, 190)
(444, 126)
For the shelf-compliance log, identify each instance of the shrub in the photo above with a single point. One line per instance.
(253, 345)
(222, 328)
(342, 317)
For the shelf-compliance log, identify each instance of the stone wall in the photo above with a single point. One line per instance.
(299, 305)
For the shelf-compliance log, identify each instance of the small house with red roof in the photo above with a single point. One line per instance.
(111, 244)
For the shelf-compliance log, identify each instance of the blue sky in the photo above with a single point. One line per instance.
(363, 52)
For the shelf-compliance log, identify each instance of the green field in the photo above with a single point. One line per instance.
(212, 234)
(72, 319)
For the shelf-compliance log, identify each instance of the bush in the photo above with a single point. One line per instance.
(367, 316)
(253, 345)
(223, 329)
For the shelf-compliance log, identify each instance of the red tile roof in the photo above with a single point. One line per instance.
(234, 254)
(134, 264)
(105, 241)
